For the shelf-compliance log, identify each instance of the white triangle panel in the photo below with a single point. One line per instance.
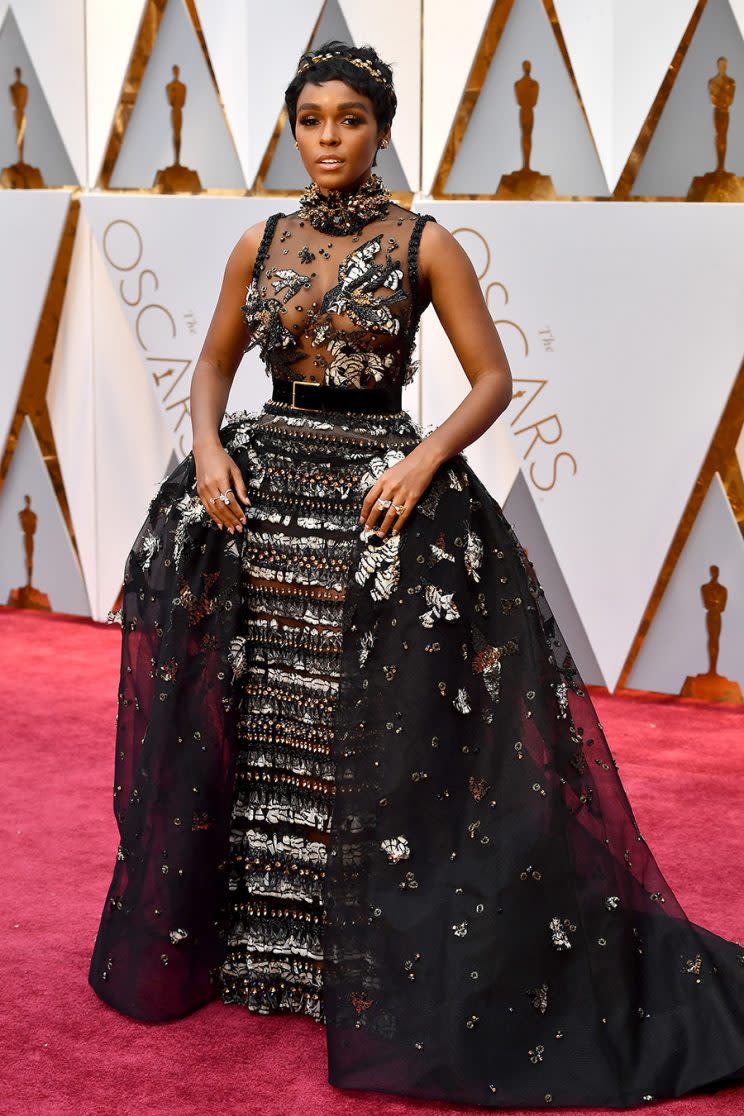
(620, 51)
(31, 223)
(55, 568)
(683, 143)
(395, 31)
(42, 142)
(111, 33)
(612, 442)
(737, 7)
(646, 39)
(521, 513)
(70, 399)
(589, 34)
(676, 644)
(48, 42)
(172, 464)
(254, 51)
(206, 143)
(561, 144)
(447, 60)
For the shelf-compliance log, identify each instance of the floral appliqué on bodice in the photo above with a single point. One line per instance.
(342, 310)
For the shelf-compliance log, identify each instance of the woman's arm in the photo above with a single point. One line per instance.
(445, 267)
(457, 297)
(214, 373)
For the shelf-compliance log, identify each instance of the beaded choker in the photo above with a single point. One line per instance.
(344, 211)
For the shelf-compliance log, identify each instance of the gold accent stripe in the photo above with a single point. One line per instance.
(32, 401)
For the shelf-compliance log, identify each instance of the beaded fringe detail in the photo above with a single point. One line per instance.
(296, 550)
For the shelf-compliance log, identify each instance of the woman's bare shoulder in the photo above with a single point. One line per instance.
(438, 248)
(246, 249)
(243, 256)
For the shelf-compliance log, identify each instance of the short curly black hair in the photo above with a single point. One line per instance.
(383, 98)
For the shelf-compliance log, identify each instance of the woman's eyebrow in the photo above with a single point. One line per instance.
(344, 105)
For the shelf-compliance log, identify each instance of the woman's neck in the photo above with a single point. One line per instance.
(350, 188)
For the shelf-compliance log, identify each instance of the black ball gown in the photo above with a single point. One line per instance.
(362, 779)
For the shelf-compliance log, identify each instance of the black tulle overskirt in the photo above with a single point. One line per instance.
(495, 927)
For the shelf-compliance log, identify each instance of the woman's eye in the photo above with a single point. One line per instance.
(347, 119)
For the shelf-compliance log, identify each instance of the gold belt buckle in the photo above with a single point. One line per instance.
(311, 383)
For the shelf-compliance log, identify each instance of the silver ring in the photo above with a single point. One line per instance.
(224, 496)
(399, 507)
(382, 504)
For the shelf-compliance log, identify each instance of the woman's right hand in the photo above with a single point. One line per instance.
(217, 472)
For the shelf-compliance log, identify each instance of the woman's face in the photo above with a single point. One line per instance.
(336, 122)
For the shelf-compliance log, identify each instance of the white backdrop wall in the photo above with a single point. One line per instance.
(621, 320)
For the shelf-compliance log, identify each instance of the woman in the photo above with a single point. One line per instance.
(358, 775)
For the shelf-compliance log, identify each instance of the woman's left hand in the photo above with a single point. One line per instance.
(403, 484)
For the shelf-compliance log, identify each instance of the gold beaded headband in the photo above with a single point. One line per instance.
(361, 62)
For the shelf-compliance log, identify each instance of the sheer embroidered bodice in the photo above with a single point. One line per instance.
(342, 310)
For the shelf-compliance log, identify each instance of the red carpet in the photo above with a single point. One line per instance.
(67, 1052)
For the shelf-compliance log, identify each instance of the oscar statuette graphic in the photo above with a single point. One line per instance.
(26, 596)
(719, 185)
(526, 183)
(177, 179)
(712, 686)
(20, 176)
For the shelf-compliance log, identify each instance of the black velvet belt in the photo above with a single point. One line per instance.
(308, 395)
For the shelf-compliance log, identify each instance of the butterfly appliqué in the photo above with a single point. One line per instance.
(359, 277)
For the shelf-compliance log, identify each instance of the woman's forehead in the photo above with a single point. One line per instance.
(333, 93)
